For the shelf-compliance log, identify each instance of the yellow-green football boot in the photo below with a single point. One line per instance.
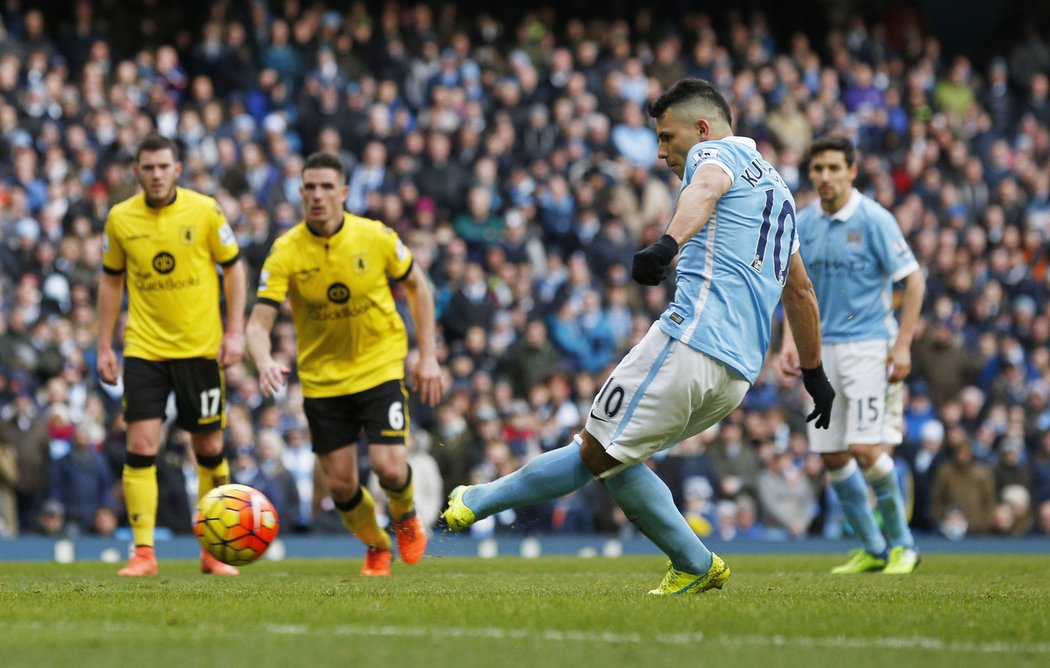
(457, 516)
(902, 561)
(679, 582)
(860, 562)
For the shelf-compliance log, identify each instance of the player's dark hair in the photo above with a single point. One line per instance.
(325, 161)
(833, 143)
(688, 90)
(156, 142)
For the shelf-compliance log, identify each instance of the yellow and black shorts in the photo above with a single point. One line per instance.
(198, 384)
(382, 412)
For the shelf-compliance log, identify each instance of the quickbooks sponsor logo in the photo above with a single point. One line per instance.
(166, 284)
(353, 309)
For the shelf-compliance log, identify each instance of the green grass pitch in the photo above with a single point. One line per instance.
(956, 610)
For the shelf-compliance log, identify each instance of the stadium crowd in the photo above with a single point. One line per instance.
(518, 163)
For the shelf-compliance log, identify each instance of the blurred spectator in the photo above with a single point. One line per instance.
(8, 497)
(368, 177)
(51, 519)
(1012, 466)
(1041, 468)
(25, 430)
(479, 226)
(176, 501)
(441, 177)
(105, 522)
(272, 479)
(81, 480)
(924, 459)
(735, 464)
(1013, 513)
(471, 305)
(633, 138)
(1042, 525)
(786, 498)
(943, 362)
(300, 462)
(963, 497)
(452, 450)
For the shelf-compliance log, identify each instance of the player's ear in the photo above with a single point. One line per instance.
(178, 169)
(703, 128)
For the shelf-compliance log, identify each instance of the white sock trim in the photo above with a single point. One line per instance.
(838, 475)
(882, 467)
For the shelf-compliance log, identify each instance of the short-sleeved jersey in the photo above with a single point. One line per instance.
(169, 255)
(351, 337)
(853, 258)
(731, 273)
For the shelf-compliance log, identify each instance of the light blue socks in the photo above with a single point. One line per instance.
(852, 490)
(644, 498)
(552, 474)
(648, 503)
(883, 478)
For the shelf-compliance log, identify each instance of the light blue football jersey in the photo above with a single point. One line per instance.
(731, 273)
(853, 258)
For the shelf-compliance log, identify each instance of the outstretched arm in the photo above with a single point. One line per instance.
(696, 204)
(234, 287)
(802, 329)
(803, 315)
(426, 376)
(110, 294)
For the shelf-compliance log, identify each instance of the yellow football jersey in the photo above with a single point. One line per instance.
(351, 337)
(169, 256)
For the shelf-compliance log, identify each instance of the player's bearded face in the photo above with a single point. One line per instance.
(157, 172)
(675, 138)
(832, 178)
(323, 195)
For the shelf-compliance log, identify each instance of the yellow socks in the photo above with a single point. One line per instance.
(140, 496)
(359, 516)
(212, 472)
(402, 504)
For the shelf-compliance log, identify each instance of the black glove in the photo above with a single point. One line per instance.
(816, 382)
(652, 264)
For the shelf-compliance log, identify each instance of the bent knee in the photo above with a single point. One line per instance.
(594, 456)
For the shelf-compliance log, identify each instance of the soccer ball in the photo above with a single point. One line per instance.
(235, 523)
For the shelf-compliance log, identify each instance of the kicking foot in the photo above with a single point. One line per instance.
(457, 516)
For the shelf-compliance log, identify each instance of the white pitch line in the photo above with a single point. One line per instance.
(570, 635)
(549, 635)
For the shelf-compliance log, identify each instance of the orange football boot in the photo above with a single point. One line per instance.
(411, 539)
(143, 562)
(377, 562)
(212, 566)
